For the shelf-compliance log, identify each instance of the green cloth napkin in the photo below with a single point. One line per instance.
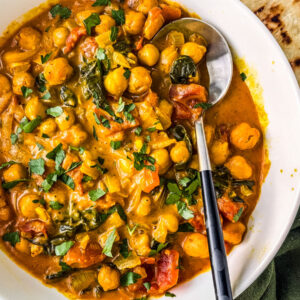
(281, 279)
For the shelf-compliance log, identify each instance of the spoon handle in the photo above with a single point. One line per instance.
(212, 220)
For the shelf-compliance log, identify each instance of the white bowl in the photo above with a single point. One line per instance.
(279, 201)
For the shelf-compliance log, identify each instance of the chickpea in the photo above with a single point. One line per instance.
(162, 158)
(139, 81)
(134, 22)
(146, 5)
(5, 213)
(48, 127)
(193, 50)
(195, 245)
(144, 207)
(233, 232)
(209, 133)
(106, 23)
(108, 278)
(219, 152)
(29, 38)
(148, 55)
(170, 221)
(239, 167)
(194, 164)
(140, 242)
(14, 172)
(167, 57)
(60, 35)
(23, 246)
(65, 120)
(115, 82)
(27, 206)
(76, 135)
(160, 232)
(180, 153)
(22, 79)
(5, 85)
(35, 108)
(57, 71)
(244, 137)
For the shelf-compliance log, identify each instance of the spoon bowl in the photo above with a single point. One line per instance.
(218, 57)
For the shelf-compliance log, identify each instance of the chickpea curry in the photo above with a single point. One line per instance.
(100, 193)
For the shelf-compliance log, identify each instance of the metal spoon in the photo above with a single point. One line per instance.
(220, 68)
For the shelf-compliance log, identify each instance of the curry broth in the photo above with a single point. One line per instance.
(237, 107)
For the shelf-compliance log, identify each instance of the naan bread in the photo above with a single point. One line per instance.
(282, 17)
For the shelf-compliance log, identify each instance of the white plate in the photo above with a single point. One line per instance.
(279, 201)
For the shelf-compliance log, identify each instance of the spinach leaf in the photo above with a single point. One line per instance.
(101, 3)
(119, 209)
(54, 111)
(238, 214)
(29, 126)
(185, 227)
(45, 58)
(157, 248)
(243, 76)
(12, 184)
(67, 180)
(37, 166)
(11, 237)
(7, 164)
(114, 33)
(62, 249)
(90, 22)
(109, 243)
(147, 285)
(129, 278)
(56, 205)
(203, 105)
(124, 248)
(169, 294)
(68, 96)
(123, 46)
(183, 68)
(92, 82)
(61, 11)
(13, 138)
(74, 165)
(26, 92)
(65, 271)
(115, 144)
(94, 195)
(119, 16)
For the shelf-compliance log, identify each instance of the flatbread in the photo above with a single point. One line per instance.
(282, 17)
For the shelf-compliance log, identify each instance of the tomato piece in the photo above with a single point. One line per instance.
(198, 223)
(34, 227)
(229, 209)
(148, 179)
(167, 272)
(83, 258)
(185, 97)
(73, 38)
(89, 47)
(170, 13)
